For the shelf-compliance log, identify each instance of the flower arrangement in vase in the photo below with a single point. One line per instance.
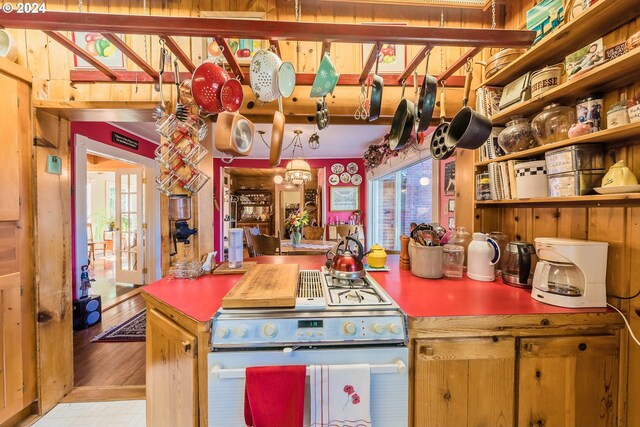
(294, 224)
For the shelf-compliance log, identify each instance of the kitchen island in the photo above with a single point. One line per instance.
(482, 351)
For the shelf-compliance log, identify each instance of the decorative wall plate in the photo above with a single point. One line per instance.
(345, 177)
(356, 179)
(352, 168)
(334, 179)
(337, 168)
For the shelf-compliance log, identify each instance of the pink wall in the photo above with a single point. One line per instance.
(314, 163)
(101, 132)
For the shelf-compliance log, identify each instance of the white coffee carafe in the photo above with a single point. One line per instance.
(483, 254)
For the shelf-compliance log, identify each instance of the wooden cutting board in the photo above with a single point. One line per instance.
(225, 269)
(265, 286)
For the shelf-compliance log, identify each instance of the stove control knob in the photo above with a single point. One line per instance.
(377, 328)
(349, 328)
(242, 331)
(222, 332)
(394, 328)
(270, 330)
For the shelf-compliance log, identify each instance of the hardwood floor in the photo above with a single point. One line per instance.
(102, 270)
(109, 364)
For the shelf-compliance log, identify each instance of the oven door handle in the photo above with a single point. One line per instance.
(397, 367)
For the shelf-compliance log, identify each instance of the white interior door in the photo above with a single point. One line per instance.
(128, 239)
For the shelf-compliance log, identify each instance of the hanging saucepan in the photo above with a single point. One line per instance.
(427, 99)
(277, 132)
(322, 113)
(375, 101)
(468, 129)
(439, 149)
(402, 124)
(234, 134)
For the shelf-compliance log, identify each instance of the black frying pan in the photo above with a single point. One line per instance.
(468, 129)
(439, 149)
(375, 102)
(427, 99)
(402, 124)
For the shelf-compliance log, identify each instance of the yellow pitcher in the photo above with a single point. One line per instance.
(377, 257)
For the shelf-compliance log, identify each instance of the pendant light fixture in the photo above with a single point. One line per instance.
(298, 171)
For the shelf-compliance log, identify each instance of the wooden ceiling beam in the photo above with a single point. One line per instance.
(458, 64)
(231, 60)
(64, 41)
(414, 63)
(179, 53)
(132, 55)
(371, 59)
(302, 79)
(276, 30)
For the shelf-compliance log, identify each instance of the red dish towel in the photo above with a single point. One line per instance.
(274, 396)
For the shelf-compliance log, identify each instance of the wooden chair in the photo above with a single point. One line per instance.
(266, 245)
(346, 230)
(249, 232)
(91, 244)
(312, 232)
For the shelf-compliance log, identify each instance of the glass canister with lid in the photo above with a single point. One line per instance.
(553, 123)
(452, 260)
(462, 238)
(517, 136)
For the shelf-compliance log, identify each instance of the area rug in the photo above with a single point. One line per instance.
(131, 330)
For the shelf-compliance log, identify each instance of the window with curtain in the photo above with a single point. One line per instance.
(398, 199)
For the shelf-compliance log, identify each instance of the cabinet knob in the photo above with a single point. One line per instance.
(582, 346)
(186, 345)
(427, 350)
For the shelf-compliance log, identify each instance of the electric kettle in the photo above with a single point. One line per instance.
(346, 264)
(519, 263)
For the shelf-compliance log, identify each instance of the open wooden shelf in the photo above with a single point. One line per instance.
(620, 133)
(598, 20)
(614, 74)
(591, 199)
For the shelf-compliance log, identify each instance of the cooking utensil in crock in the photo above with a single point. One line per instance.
(468, 128)
(427, 100)
(234, 134)
(182, 111)
(263, 73)
(206, 85)
(439, 149)
(322, 113)
(375, 100)
(402, 124)
(346, 264)
(326, 78)
(277, 132)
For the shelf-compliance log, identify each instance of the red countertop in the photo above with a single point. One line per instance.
(201, 298)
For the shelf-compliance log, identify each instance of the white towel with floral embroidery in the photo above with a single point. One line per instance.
(340, 395)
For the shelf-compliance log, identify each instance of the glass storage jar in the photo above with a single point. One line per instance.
(517, 136)
(452, 260)
(462, 238)
(553, 123)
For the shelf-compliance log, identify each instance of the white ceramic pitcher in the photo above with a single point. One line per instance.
(483, 254)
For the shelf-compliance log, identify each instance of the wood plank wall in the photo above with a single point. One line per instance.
(619, 225)
(50, 62)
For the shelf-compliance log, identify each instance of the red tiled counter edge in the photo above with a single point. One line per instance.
(201, 298)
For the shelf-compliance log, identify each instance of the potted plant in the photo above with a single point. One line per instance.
(294, 224)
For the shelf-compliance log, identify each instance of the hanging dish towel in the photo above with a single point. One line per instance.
(340, 395)
(274, 396)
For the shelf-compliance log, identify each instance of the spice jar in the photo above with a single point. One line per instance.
(553, 123)
(517, 136)
(634, 109)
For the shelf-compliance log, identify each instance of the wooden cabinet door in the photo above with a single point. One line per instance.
(172, 377)
(464, 382)
(10, 149)
(10, 346)
(568, 381)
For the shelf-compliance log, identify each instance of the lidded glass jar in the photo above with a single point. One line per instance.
(553, 123)
(462, 238)
(517, 136)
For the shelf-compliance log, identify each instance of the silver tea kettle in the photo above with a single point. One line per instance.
(519, 263)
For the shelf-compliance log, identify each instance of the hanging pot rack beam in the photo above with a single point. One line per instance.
(458, 64)
(231, 60)
(277, 30)
(302, 79)
(414, 63)
(371, 60)
(64, 41)
(132, 55)
(179, 53)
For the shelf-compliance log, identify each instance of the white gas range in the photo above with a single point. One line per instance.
(335, 322)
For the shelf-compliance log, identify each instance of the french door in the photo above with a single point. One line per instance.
(129, 238)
